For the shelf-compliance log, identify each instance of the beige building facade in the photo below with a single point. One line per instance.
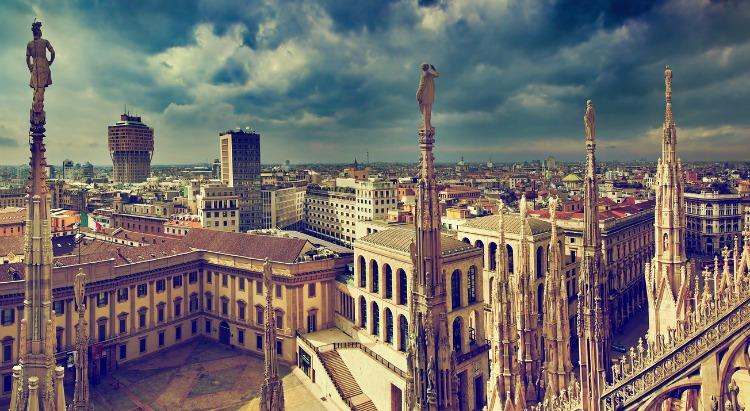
(714, 221)
(372, 307)
(142, 300)
(284, 207)
(218, 207)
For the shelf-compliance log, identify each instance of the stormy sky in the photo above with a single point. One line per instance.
(329, 80)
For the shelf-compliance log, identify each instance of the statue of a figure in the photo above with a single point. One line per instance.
(267, 273)
(426, 93)
(78, 288)
(431, 374)
(668, 80)
(589, 121)
(36, 60)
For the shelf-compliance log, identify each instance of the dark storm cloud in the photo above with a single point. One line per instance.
(327, 80)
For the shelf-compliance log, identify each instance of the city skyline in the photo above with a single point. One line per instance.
(514, 78)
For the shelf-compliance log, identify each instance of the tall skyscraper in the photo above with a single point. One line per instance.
(131, 147)
(67, 169)
(668, 276)
(240, 168)
(593, 294)
(87, 171)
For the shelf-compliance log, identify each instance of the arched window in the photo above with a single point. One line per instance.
(362, 312)
(466, 240)
(480, 244)
(472, 328)
(539, 262)
(493, 256)
(403, 331)
(362, 272)
(402, 288)
(388, 326)
(456, 289)
(510, 257)
(540, 301)
(374, 273)
(388, 281)
(471, 285)
(375, 319)
(457, 335)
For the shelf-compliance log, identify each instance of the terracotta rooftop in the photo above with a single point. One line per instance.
(279, 249)
(13, 244)
(624, 209)
(512, 224)
(399, 239)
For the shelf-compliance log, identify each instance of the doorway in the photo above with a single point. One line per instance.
(224, 333)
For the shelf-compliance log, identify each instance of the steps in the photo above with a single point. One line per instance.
(345, 383)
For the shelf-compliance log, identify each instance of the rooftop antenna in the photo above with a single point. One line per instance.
(368, 157)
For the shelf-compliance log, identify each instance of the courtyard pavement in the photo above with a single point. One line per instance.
(198, 375)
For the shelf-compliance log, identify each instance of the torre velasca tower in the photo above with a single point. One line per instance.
(131, 146)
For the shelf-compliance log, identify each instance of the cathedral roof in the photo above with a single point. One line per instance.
(399, 239)
(512, 224)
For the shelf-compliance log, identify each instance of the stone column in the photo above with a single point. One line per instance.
(59, 391)
(17, 386)
(33, 404)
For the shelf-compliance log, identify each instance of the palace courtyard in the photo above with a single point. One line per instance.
(198, 375)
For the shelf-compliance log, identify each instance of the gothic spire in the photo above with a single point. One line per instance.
(667, 291)
(272, 391)
(504, 333)
(558, 366)
(593, 293)
(39, 380)
(429, 351)
(526, 317)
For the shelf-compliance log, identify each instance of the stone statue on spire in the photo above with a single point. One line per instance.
(426, 93)
(39, 67)
(668, 82)
(589, 121)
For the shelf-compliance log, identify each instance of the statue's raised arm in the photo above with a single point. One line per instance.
(426, 93)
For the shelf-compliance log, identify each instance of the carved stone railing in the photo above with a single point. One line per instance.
(650, 365)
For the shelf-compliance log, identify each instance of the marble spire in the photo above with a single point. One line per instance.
(503, 365)
(526, 317)
(667, 281)
(593, 293)
(37, 382)
(429, 354)
(272, 390)
(558, 367)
